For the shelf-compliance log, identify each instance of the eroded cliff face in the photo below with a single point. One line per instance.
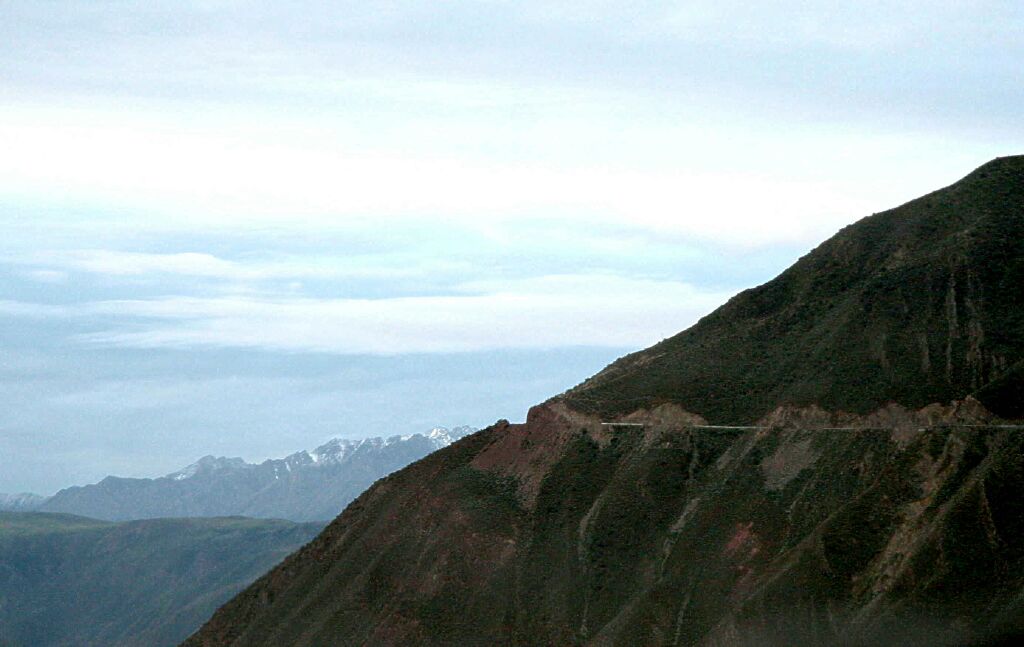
(656, 528)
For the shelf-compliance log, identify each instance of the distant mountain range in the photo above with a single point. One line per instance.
(305, 486)
(20, 502)
(70, 581)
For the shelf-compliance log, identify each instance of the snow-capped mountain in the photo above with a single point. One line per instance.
(305, 486)
(208, 464)
(23, 502)
(338, 450)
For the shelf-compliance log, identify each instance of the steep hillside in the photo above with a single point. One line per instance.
(67, 580)
(563, 531)
(305, 486)
(919, 304)
(617, 515)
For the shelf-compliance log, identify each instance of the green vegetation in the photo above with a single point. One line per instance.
(489, 499)
(550, 575)
(67, 580)
(19, 524)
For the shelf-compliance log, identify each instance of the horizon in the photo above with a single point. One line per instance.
(236, 229)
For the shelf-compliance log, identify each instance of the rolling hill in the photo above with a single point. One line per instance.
(73, 581)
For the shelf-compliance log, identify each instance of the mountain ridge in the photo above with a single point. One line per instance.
(303, 486)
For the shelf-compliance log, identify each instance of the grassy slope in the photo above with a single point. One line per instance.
(67, 580)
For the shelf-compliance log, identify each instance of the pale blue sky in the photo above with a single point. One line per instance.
(245, 227)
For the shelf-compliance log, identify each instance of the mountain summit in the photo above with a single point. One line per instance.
(870, 497)
(920, 304)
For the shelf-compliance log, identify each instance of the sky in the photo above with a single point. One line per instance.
(244, 228)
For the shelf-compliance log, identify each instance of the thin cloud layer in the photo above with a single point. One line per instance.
(201, 265)
(544, 312)
(205, 179)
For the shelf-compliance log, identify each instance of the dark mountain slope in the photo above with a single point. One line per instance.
(923, 303)
(604, 522)
(562, 531)
(67, 580)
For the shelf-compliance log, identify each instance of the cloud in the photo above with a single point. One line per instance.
(544, 312)
(161, 393)
(36, 310)
(47, 276)
(203, 180)
(258, 181)
(116, 263)
(841, 27)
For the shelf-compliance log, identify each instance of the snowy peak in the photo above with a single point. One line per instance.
(334, 452)
(208, 464)
(21, 502)
(339, 450)
(442, 436)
